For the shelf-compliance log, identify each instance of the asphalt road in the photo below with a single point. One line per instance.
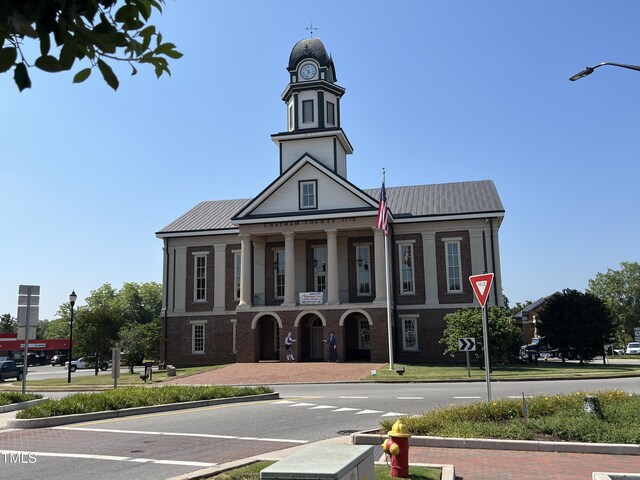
(171, 443)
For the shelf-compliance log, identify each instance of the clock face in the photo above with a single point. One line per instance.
(308, 71)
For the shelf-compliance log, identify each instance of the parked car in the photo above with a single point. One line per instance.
(86, 362)
(538, 348)
(10, 369)
(633, 348)
(59, 359)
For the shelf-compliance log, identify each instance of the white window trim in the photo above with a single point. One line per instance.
(447, 242)
(357, 247)
(275, 274)
(197, 255)
(415, 324)
(317, 273)
(301, 195)
(194, 324)
(237, 273)
(401, 244)
(234, 336)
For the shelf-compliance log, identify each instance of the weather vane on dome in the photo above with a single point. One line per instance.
(311, 28)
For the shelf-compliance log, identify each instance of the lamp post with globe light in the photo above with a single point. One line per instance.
(72, 300)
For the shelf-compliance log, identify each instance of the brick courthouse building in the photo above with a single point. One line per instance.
(304, 254)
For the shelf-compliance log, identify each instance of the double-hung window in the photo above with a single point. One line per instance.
(320, 269)
(407, 274)
(453, 265)
(409, 332)
(197, 337)
(278, 273)
(363, 270)
(308, 194)
(200, 277)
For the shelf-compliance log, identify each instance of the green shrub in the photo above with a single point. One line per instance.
(556, 417)
(130, 397)
(7, 398)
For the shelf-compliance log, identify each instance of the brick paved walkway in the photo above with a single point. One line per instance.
(277, 373)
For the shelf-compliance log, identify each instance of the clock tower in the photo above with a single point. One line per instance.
(313, 98)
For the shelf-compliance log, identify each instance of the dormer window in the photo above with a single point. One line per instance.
(308, 194)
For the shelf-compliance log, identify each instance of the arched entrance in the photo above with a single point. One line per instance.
(268, 335)
(357, 337)
(311, 336)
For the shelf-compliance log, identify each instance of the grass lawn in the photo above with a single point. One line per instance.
(548, 370)
(252, 472)
(95, 382)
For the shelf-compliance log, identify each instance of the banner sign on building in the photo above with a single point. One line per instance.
(311, 298)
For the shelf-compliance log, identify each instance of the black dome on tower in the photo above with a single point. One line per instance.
(311, 48)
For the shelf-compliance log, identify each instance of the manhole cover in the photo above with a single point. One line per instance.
(346, 432)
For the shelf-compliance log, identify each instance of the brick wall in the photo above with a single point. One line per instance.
(465, 260)
(418, 270)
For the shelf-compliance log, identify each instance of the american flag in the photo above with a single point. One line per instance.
(382, 211)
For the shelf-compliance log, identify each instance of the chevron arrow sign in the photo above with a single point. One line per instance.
(467, 344)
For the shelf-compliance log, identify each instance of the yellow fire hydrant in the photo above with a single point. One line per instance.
(397, 446)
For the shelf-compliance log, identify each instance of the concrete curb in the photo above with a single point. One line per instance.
(21, 405)
(492, 444)
(88, 417)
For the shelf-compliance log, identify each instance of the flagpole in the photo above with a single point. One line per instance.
(387, 275)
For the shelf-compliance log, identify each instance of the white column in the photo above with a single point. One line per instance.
(219, 276)
(430, 268)
(167, 276)
(245, 267)
(497, 281)
(380, 273)
(180, 279)
(289, 269)
(333, 293)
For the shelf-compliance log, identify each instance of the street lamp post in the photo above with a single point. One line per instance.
(72, 301)
(589, 70)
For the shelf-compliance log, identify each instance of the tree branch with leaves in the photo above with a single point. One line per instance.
(94, 31)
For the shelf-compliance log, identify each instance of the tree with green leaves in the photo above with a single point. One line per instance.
(56, 328)
(94, 31)
(8, 324)
(577, 324)
(95, 331)
(139, 341)
(620, 291)
(504, 336)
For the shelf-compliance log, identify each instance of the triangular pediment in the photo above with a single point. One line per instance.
(281, 199)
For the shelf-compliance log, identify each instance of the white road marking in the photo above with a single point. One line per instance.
(465, 398)
(175, 434)
(302, 405)
(110, 457)
(410, 398)
(283, 401)
(345, 409)
(322, 406)
(393, 414)
(353, 397)
(363, 412)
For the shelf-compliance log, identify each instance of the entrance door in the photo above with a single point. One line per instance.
(316, 330)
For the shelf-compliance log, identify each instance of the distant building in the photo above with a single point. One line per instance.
(11, 347)
(304, 255)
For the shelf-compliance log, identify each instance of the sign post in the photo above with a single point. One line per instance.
(467, 344)
(28, 310)
(481, 286)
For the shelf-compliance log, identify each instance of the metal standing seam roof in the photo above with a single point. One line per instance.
(404, 202)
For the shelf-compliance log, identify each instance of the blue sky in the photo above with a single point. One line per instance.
(437, 92)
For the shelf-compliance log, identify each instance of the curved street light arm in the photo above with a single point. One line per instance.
(589, 70)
